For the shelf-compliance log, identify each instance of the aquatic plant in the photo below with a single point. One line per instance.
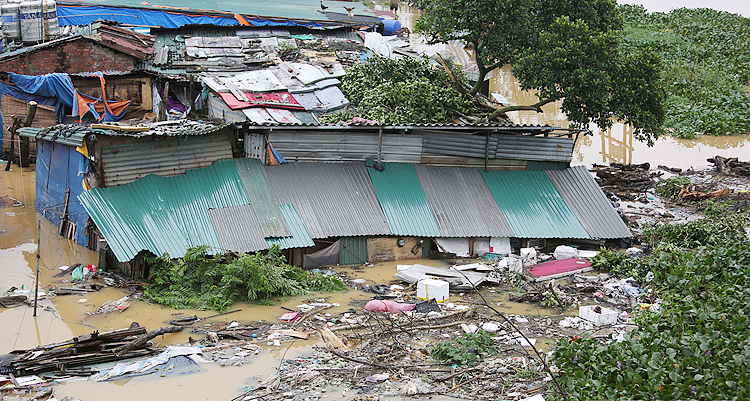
(469, 349)
(698, 345)
(706, 59)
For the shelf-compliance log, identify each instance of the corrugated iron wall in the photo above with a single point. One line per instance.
(309, 146)
(354, 251)
(167, 157)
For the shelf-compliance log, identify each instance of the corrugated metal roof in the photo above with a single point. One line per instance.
(333, 199)
(71, 135)
(460, 145)
(127, 163)
(345, 146)
(534, 148)
(462, 203)
(588, 203)
(270, 218)
(237, 228)
(300, 237)
(403, 201)
(164, 215)
(531, 204)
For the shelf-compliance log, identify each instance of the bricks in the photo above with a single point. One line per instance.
(82, 55)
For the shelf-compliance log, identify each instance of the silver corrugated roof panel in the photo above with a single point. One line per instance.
(461, 202)
(460, 145)
(333, 199)
(534, 148)
(345, 146)
(300, 237)
(237, 228)
(173, 156)
(588, 203)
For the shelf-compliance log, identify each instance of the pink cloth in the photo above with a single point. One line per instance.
(377, 305)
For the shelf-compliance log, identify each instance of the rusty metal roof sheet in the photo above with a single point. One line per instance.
(237, 228)
(532, 205)
(333, 199)
(588, 203)
(461, 202)
(403, 201)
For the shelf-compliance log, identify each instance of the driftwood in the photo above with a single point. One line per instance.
(145, 338)
(731, 166)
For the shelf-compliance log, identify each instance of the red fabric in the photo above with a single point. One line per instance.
(558, 266)
(282, 100)
(377, 305)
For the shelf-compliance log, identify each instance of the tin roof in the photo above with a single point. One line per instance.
(587, 201)
(164, 214)
(72, 134)
(300, 237)
(532, 205)
(333, 199)
(403, 201)
(237, 228)
(270, 216)
(461, 202)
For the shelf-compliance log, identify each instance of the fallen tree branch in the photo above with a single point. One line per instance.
(145, 338)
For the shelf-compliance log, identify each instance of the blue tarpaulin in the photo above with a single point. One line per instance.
(84, 15)
(50, 89)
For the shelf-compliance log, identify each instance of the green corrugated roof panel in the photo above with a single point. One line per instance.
(403, 200)
(532, 205)
(272, 223)
(164, 214)
(300, 237)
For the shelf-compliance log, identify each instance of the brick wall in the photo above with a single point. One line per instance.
(82, 55)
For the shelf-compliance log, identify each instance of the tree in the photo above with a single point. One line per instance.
(567, 49)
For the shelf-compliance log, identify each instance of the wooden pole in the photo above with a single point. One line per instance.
(38, 247)
(23, 157)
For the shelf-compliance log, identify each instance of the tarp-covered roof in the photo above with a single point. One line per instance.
(211, 206)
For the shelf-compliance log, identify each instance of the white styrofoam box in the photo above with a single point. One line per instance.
(515, 263)
(608, 316)
(431, 288)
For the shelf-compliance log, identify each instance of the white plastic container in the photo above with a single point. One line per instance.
(430, 288)
(11, 21)
(31, 22)
(607, 317)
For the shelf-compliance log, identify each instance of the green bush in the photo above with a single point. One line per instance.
(200, 281)
(671, 187)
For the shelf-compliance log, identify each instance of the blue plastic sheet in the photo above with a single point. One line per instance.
(84, 15)
(50, 89)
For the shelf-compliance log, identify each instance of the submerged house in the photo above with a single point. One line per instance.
(259, 169)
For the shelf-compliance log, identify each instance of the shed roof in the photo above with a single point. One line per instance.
(333, 199)
(461, 202)
(587, 201)
(403, 201)
(164, 214)
(211, 206)
(532, 205)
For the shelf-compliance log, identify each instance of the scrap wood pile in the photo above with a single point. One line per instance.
(626, 178)
(731, 166)
(66, 358)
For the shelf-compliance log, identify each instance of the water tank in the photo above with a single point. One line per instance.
(31, 22)
(390, 26)
(50, 28)
(11, 21)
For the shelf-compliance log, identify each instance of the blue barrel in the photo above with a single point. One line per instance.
(390, 26)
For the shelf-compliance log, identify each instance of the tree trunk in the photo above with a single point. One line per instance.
(143, 339)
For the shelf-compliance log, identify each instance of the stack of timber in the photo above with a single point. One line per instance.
(86, 349)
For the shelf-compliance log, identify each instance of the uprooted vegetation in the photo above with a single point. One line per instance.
(696, 346)
(202, 281)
